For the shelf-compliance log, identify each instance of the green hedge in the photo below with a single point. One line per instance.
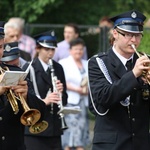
(145, 43)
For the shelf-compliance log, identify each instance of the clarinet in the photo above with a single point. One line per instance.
(60, 105)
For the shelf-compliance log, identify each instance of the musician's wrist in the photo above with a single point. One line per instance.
(45, 101)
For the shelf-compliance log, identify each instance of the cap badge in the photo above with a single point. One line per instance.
(7, 48)
(133, 15)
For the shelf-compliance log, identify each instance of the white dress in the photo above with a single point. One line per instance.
(77, 133)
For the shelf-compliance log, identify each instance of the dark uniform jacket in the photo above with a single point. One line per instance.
(122, 128)
(25, 55)
(44, 83)
(11, 129)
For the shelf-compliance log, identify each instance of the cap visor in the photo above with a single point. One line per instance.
(131, 28)
(47, 45)
(9, 58)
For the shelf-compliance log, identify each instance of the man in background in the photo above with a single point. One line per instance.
(13, 34)
(71, 32)
(26, 43)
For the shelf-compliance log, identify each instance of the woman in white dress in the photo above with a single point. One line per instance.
(75, 69)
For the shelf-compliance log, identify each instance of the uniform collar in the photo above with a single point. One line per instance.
(45, 66)
(122, 59)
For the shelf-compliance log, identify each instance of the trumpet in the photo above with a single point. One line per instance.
(60, 105)
(38, 127)
(144, 73)
(30, 116)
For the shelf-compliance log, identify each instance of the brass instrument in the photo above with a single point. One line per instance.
(30, 116)
(144, 73)
(60, 105)
(38, 127)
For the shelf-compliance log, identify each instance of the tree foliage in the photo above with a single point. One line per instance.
(82, 12)
(30, 10)
(62, 11)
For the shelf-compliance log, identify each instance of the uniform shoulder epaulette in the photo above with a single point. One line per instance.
(95, 55)
(102, 54)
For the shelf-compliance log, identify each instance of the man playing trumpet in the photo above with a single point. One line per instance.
(11, 129)
(119, 90)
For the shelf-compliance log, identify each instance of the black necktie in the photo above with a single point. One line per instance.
(48, 72)
(129, 65)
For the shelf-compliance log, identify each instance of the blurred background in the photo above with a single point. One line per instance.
(42, 15)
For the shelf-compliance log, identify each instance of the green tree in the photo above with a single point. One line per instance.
(28, 9)
(62, 11)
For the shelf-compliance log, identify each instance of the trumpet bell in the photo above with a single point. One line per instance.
(38, 127)
(30, 117)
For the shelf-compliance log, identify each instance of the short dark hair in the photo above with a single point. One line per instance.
(105, 18)
(77, 41)
(74, 26)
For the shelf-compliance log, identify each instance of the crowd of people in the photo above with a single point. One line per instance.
(113, 85)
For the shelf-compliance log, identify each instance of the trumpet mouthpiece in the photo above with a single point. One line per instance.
(133, 46)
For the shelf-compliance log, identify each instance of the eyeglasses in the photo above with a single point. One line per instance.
(129, 36)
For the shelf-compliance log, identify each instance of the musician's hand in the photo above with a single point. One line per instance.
(21, 88)
(141, 65)
(52, 98)
(59, 86)
(4, 89)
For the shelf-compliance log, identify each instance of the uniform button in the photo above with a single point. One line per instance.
(133, 134)
(132, 103)
(133, 119)
(1, 118)
(134, 88)
(3, 137)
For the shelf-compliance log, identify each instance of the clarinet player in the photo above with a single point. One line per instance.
(40, 75)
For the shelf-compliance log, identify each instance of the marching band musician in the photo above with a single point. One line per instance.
(11, 129)
(50, 139)
(119, 90)
(11, 55)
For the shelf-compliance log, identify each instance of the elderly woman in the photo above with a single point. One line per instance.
(75, 68)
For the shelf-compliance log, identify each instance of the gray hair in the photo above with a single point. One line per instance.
(10, 25)
(19, 21)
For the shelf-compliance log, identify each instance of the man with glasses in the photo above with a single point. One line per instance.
(119, 90)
